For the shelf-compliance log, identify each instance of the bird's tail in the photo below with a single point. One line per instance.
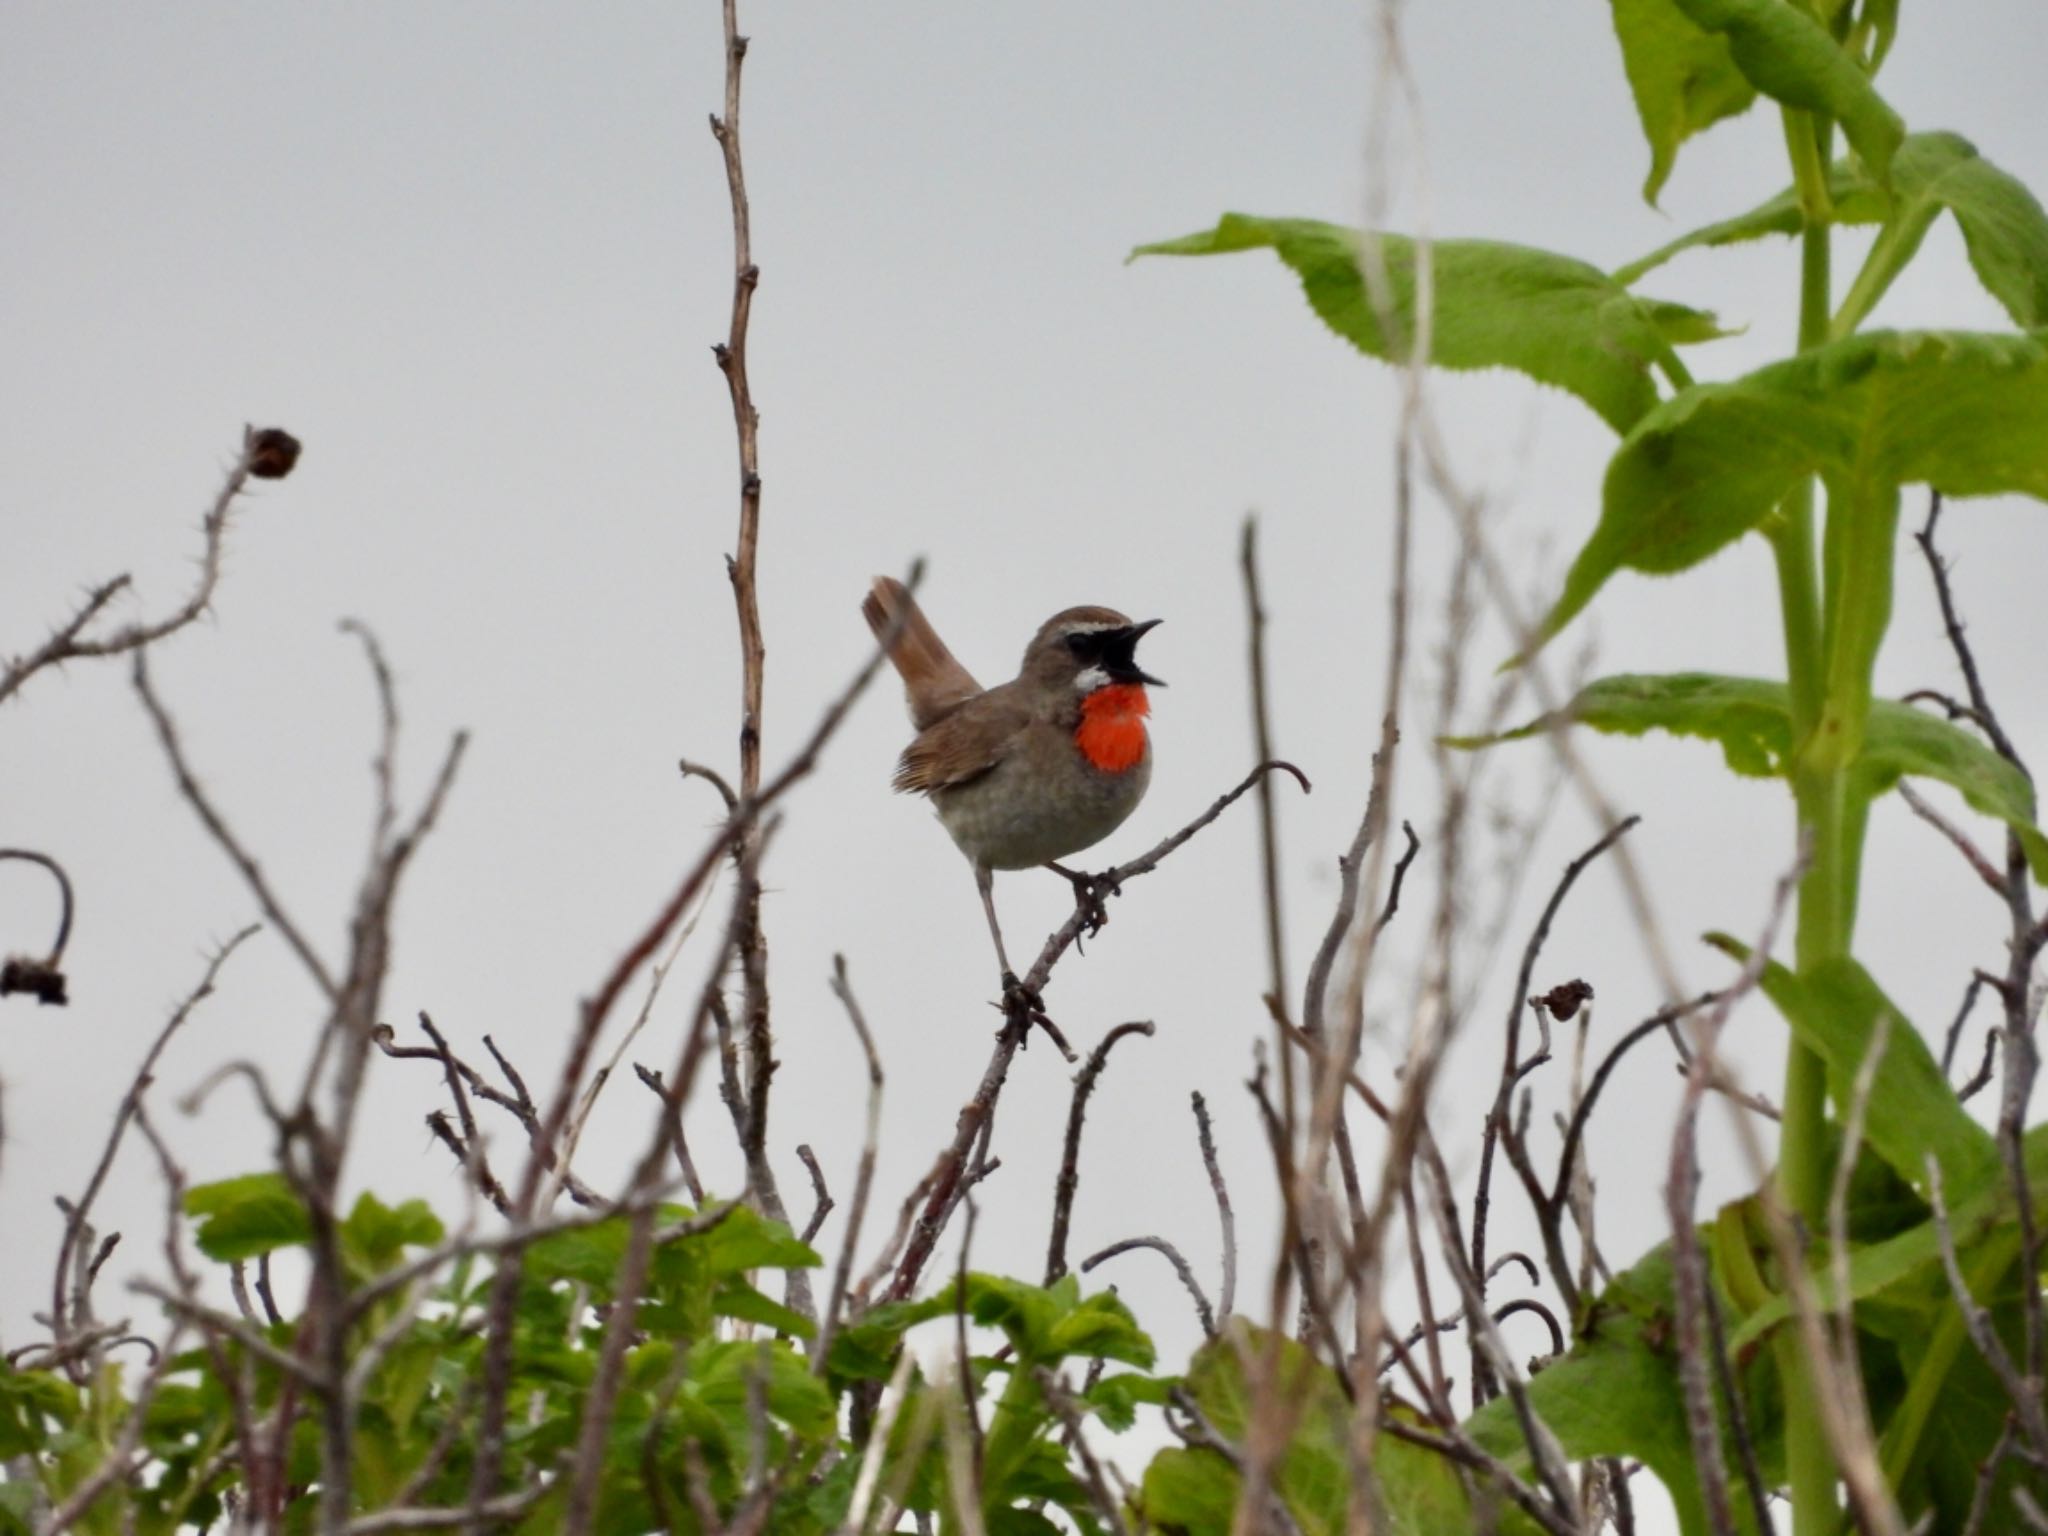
(933, 679)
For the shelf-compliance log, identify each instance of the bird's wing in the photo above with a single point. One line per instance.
(933, 679)
(962, 746)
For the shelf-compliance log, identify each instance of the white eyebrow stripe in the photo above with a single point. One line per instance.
(1089, 679)
(1091, 629)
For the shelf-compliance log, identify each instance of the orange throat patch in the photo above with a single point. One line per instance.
(1112, 730)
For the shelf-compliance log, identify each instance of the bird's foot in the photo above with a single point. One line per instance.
(1024, 1010)
(1018, 998)
(1091, 892)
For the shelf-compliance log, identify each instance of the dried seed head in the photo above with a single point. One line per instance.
(272, 452)
(40, 979)
(1564, 1002)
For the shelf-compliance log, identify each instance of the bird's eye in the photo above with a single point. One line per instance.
(1081, 642)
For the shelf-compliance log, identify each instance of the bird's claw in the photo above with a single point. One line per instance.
(1091, 892)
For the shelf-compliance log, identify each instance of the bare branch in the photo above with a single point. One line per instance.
(1971, 853)
(1224, 1214)
(145, 1075)
(1070, 1161)
(823, 1208)
(1513, 1069)
(1181, 1267)
(267, 453)
(210, 818)
(864, 1179)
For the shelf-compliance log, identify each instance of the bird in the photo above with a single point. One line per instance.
(1030, 771)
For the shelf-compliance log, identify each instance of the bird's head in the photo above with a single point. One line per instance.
(1084, 649)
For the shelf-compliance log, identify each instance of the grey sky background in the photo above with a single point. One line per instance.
(475, 255)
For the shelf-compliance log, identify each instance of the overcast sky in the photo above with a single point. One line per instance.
(475, 255)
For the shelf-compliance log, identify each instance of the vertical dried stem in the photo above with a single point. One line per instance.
(740, 569)
(1269, 836)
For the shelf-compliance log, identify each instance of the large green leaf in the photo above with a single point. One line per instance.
(1962, 411)
(2003, 226)
(1683, 78)
(1877, 1267)
(1790, 57)
(1616, 1392)
(1558, 320)
(1835, 1010)
(243, 1217)
(1691, 63)
(1751, 720)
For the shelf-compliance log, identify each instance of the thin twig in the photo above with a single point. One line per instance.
(1181, 1267)
(1513, 1069)
(263, 450)
(210, 817)
(864, 1179)
(1070, 1160)
(1228, 1300)
(75, 1217)
(824, 1205)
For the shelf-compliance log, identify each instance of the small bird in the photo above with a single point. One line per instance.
(1034, 769)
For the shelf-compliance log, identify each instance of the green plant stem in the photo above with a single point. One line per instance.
(1820, 794)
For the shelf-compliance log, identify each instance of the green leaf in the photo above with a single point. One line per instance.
(1553, 318)
(1191, 1491)
(1880, 20)
(1962, 411)
(748, 1240)
(1912, 1114)
(865, 1349)
(2004, 228)
(1101, 1328)
(376, 1234)
(735, 1298)
(27, 1400)
(723, 1375)
(1683, 78)
(1018, 1520)
(1616, 1392)
(1789, 56)
(1875, 1268)
(591, 1255)
(1751, 720)
(1196, 1491)
(247, 1216)
(1857, 200)
(1115, 1398)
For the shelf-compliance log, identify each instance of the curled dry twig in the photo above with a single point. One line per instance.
(42, 979)
(1181, 1267)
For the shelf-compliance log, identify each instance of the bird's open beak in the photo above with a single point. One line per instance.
(1127, 668)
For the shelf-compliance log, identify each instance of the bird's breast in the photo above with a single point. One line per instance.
(1111, 734)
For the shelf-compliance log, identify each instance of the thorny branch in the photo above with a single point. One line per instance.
(268, 453)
